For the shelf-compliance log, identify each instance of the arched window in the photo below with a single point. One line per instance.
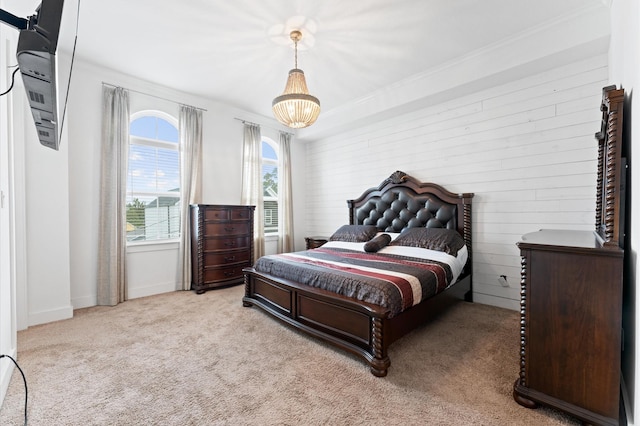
(270, 185)
(153, 180)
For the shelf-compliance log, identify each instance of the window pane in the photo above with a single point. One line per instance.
(270, 187)
(162, 219)
(153, 169)
(144, 127)
(151, 127)
(152, 218)
(167, 132)
(167, 170)
(270, 216)
(153, 183)
(135, 218)
(268, 151)
(270, 180)
(141, 168)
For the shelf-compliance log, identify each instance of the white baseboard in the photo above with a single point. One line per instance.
(152, 290)
(44, 317)
(84, 302)
(500, 302)
(134, 293)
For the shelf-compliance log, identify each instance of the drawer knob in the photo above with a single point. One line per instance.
(229, 228)
(229, 259)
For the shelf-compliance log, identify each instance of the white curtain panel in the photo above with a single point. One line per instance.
(112, 245)
(190, 128)
(285, 202)
(252, 183)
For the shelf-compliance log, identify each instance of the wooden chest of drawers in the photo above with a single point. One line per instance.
(221, 245)
(571, 325)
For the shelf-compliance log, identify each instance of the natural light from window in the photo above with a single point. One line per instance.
(270, 185)
(153, 179)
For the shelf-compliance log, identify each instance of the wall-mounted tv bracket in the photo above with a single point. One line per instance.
(15, 21)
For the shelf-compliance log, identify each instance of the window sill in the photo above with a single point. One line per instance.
(147, 246)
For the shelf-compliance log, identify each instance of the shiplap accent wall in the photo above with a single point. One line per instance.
(526, 148)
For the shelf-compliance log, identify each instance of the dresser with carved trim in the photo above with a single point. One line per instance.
(571, 325)
(221, 245)
(571, 296)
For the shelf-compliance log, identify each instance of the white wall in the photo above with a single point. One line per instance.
(47, 232)
(35, 263)
(151, 268)
(39, 195)
(625, 72)
(525, 148)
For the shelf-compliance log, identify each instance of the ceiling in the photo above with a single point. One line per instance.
(238, 52)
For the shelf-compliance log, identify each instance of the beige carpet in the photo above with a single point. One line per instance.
(187, 359)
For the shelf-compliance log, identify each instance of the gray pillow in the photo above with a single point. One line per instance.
(377, 243)
(440, 239)
(354, 233)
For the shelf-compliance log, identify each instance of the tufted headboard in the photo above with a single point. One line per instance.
(402, 201)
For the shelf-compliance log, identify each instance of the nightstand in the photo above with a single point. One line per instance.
(315, 242)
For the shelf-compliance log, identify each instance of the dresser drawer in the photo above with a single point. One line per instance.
(225, 258)
(223, 229)
(223, 273)
(241, 214)
(215, 244)
(217, 214)
(222, 214)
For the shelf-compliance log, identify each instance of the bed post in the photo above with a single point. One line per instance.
(380, 363)
(247, 289)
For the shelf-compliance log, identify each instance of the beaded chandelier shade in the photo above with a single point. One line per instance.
(296, 108)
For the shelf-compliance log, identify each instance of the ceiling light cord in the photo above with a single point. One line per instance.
(295, 36)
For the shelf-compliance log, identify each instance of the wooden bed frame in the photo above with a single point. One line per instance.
(364, 329)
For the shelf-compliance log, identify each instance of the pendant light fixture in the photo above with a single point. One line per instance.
(296, 108)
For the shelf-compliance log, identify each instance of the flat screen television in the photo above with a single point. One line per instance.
(36, 50)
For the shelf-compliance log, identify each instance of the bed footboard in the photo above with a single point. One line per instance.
(360, 328)
(355, 327)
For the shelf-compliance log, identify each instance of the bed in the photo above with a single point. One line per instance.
(337, 292)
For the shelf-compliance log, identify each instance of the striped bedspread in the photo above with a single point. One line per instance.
(391, 281)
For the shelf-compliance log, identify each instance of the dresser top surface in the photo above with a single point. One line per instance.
(221, 206)
(562, 238)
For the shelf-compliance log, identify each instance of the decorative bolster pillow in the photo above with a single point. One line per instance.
(377, 243)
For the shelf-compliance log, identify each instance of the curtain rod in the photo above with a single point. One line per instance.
(262, 125)
(153, 96)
